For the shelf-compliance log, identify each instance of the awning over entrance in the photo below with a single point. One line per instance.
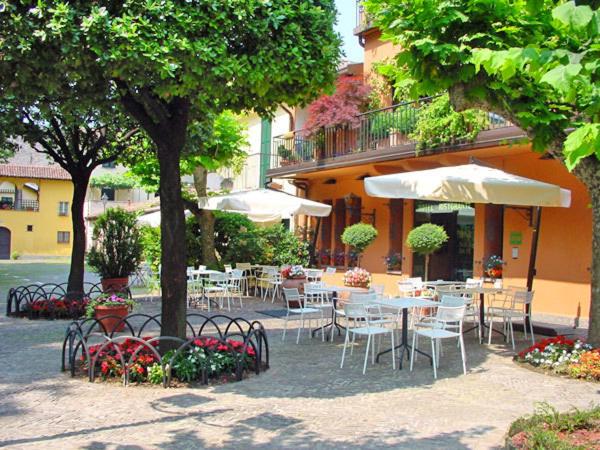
(469, 183)
(266, 205)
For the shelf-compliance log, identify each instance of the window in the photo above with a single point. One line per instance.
(64, 237)
(109, 165)
(107, 194)
(29, 227)
(63, 208)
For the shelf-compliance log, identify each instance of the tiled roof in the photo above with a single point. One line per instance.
(45, 172)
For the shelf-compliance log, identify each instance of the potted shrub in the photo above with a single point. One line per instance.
(425, 240)
(359, 236)
(117, 250)
(110, 310)
(357, 277)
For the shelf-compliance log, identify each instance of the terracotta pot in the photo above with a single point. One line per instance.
(291, 283)
(114, 285)
(110, 316)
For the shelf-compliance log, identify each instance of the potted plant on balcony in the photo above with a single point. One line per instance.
(286, 155)
(117, 250)
(110, 310)
(425, 240)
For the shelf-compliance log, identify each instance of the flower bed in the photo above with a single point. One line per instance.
(55, 308)
(548, 428)
(205, 357)
(233, 348)
(563, 356)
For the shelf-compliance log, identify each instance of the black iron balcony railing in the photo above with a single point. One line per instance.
(20, 205)
(382, 129)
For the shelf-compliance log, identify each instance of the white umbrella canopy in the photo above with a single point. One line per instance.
(265, 205)
(469, 183)
(153, 218)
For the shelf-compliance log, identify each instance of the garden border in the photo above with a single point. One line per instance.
(76, 340)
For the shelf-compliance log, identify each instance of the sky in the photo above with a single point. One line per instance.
(345, 26)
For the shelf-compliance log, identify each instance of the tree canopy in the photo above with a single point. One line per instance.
(535, 62)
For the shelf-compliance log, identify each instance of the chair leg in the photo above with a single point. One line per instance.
(412, 350)
(512, 334)
(322, 325)
(285, 324)
(462, 354)
(344, 351)
(530, 329)
(367, 354)
(300, 326)
(393, 351)
(434, 358)
(352, 348)
(491, 330)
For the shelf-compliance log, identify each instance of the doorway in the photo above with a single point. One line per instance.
(454, 261)
(4, 243)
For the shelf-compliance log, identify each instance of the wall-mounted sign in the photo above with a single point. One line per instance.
(516, 238)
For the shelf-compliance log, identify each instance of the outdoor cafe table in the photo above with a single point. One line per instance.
(404, 303)
(438, 283)
(482, 291)
(335, 290)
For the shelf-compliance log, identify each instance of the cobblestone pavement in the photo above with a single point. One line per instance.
(304, 401)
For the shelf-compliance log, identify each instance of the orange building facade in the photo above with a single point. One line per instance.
(335, 176)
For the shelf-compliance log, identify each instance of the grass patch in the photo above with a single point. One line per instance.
(549, 429)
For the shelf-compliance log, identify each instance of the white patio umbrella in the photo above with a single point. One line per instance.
(153, 218)
(265, 205)
(474, 183)
(469, 183)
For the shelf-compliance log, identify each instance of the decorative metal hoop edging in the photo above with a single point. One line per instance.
(80, 331)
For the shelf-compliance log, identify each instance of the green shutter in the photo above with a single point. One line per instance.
(265, 150)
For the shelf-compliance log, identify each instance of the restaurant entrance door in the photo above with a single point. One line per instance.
(455, 259)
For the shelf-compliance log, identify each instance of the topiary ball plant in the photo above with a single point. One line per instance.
(425, 240)
(359, 236)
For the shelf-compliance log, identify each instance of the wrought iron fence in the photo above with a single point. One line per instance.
(375, 130)
(20, 205)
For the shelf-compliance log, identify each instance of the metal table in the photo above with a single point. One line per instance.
(482, 291)
(404, 303)
(335, 290)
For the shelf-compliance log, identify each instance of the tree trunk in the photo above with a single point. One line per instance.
(77, 271)
(173, 244)
(588, 171)
(206, 220)
(426, 274)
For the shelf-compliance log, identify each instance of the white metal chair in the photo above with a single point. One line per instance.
(235, 287)
(516, 305)
(274, 283)
(228, 268)
(447, 324)
(358, 321)
(301, 311)
(313, 274)
(248, 277)
(217, 286)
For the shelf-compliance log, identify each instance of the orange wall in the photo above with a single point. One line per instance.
(564, 255)
(376, 50)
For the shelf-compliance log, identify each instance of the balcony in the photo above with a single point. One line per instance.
(22, 205)
(363, 21)
(378, 135)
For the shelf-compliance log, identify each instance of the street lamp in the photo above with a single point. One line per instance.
(104, 199)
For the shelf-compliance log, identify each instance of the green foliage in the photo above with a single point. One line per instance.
(229, 227)
(117, 249)
(439, 125)
(113, 180)
(359, 236)
(15, 255)
(220, 144)
(155, 373)
(150, 240)
(283, 247)
(427, 238)
(401, 120)
(547, 427)
(533, 62)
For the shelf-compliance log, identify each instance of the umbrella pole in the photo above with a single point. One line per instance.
(536, 222)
